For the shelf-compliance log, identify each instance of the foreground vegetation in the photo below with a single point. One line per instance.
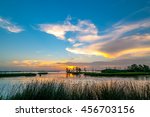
(88, 90)
(16, 74)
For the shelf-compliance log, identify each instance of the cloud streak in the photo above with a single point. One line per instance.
(122, 40)
(9, 26)
(39, 64)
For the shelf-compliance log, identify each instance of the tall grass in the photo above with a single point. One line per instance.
(68, 90)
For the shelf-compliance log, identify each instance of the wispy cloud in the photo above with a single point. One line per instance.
(39, 64)
(9, 26)
(83, 29)
(116, 43)
(123, 39)
(36, 63)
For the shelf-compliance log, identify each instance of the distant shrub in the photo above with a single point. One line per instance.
(132, 68)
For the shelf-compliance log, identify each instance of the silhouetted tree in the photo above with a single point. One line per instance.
(67, 70)
(138, 68)
(79, 69)
(146, 68)
(84, 69)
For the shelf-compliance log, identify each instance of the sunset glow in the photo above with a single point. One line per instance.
(60, 34)
(71, 67)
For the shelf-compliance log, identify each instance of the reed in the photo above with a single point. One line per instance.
(68, 90)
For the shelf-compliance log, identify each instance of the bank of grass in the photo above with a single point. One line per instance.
(16, 74)
(124, 74)
(101, 90)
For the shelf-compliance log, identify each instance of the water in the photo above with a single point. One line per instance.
(7, 83)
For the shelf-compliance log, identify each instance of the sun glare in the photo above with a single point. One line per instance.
(71, 67)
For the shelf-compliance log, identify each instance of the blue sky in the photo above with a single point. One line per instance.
(43, 33)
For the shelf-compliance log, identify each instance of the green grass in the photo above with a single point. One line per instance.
(125, 74)
(68, 90)
(16, 74)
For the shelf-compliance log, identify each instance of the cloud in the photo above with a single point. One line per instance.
(123, 39)
(57, 30)
(88, 50)
(9, 26)
(127, 42)
(39, 64)
(53, 65)
(83, 29)
(131, 45)
(77, 44)
(119, 41)
(89, 38)
(33, 63)
(71, 40)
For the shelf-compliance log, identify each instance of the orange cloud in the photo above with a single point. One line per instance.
(40, 64)
(133, 52)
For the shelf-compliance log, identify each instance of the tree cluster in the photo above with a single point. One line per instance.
(138, 68)
(75, 70)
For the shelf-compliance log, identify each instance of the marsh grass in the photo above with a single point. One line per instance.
(68, 90)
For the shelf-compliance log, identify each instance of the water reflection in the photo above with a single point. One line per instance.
(60, 76)
(70, 75)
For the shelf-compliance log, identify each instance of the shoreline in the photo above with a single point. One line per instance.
(125, 74)
(16, 74)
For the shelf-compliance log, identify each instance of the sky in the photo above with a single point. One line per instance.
(52, 34)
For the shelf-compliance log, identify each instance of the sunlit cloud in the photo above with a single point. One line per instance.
(89, 38)
(71, 40)
(40, 64)
(57, 30)
(83, 29)
(9, 26)
(36, 63)
(77, 44)
(123, 39)
(133, 52)
(130, 45)
(88, 51)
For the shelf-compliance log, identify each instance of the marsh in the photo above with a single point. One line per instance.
(59, 85)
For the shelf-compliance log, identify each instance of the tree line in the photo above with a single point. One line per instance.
(131, 68)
